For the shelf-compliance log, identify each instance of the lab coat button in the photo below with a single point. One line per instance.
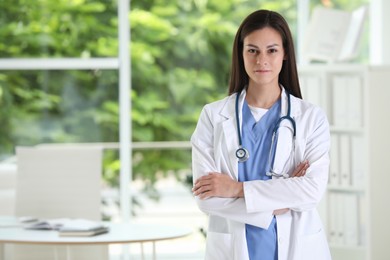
(280, 240)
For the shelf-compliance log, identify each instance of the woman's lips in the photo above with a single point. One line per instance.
(262, 71)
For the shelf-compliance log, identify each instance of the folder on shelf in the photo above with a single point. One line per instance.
(351, 219)
(355, 101)
(345, 160)
(334, 160)
(333, 218)
(340, 101)
(311, 86)
(347, 101)
(363, 221)
(315, 94)
(340, 218)
(303, 85)
(357, 161)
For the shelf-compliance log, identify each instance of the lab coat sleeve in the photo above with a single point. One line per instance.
(297, 193)
(203, 162)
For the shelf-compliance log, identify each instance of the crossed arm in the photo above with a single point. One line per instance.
(221, 185)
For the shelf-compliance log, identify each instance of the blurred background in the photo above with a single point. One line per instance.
(61, 65)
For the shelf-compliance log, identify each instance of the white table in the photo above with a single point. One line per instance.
(123, 233)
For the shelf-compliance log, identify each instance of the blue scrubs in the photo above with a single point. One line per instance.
(256, 138)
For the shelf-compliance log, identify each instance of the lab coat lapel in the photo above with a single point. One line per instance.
(229, 127)
(284, 104)
(231, 140)
(295, 109)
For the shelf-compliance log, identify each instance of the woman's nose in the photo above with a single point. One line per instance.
(260, 59)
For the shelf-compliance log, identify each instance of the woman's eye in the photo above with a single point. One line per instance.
(252, 51)
(272, 50)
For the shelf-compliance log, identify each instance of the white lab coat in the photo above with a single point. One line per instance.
(300, 232)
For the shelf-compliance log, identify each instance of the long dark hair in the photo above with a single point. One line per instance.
(260, 19)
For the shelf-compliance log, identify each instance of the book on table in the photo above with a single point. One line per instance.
(84, 233)
(46, 224)
(70, 227)
(82, 227)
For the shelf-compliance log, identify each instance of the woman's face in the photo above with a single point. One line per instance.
(263, 55)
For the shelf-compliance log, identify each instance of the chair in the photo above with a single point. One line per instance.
(7, 188)
(58, 182)
(8, 172)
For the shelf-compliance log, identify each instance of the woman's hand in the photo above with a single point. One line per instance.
(217, 185)
(301, 169)
(280, 211)
(298, 172)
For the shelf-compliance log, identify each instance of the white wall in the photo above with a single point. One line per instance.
(379, 32)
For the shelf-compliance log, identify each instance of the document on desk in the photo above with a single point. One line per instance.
(82, 227)
(83, 233)
(49, 224)
(70, 227)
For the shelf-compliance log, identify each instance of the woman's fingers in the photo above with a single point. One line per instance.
(280, 211)
(217, 185)
(197, 190)
(203, 186)
(301, 169)
(204, 180)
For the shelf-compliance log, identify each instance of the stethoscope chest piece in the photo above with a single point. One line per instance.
(242, 154)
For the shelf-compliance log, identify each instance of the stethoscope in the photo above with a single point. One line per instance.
(242, 153)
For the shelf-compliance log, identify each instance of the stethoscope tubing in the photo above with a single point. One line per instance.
(242, 154)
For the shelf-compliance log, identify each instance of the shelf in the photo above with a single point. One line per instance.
(346, 189)
(348, 247)
(354, 98)
(348, 252)
(346, 129)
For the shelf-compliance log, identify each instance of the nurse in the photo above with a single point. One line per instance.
(254, 214)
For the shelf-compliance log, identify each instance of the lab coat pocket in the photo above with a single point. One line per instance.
(314, 244)
(219, 246)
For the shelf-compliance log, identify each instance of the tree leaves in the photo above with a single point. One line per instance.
(180, 56)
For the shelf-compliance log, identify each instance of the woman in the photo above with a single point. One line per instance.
(251, 154)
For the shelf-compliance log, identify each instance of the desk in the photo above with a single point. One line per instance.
(122, 233)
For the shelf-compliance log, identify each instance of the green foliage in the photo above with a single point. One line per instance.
(180, 56)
